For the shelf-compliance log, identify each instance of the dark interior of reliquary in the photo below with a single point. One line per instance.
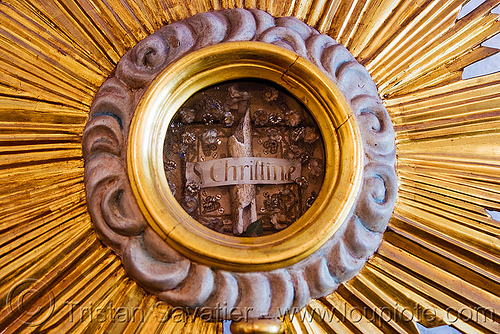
(244, 158)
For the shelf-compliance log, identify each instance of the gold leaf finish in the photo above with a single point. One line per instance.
(439, 262)
(232, 61)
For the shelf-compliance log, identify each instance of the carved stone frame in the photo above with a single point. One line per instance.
(153, 263)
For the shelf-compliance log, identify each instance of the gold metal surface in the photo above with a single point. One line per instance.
(259, 326)
(441, 254)
(231, 61)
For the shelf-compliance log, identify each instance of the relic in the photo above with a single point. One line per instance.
(244, 166)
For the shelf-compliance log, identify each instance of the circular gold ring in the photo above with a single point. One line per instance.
(233, 61)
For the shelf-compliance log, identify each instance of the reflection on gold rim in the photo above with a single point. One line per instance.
(230, 61)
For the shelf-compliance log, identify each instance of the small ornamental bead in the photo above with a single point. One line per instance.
(179, 148)
(190, 203)
(274, 135)
(170, 165)
(302, 182)
(310, 200)
(261, 117)
(293, 118)
(315, 167)
(275, 119)
(193, 188)
(228, 119)
(310, 135)
(187, 115)
(175, 127)
(270, 94)
(188, 138)
(209, 119)
(297, 134)
(214, 107)
(209, 137)
(237, 99)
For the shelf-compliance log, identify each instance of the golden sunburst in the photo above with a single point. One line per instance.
(439, 262)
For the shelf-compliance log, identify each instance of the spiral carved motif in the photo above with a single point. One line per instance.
(166, 273)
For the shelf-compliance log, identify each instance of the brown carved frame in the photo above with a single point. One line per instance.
(168, 274)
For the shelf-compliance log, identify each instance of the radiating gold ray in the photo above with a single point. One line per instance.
(461, 268)
(23, 158)
(120, 35)
(30, 261)
(446, 206)
(448, 72)
(84, 293)
(108, 288)
(144, 14)
(16, 179)
(419, 65)
(62, 258)
(359, 15)
(341, 19)
(31, 89)
(54, 125)
(322, 320)
(301, 9)
(479, 269)
(372, 20)
(450, 293)
(76, 299)
(408, 24)
(413, 57)
(383, 305)
(344, 310)
(71, 27)
(440, 218)
(278, 9)
(32, 238)
(470, 195)
(139, 300)
(21, 190)
(465, 204)
(330, 10)
(471, 118)
(393, 17)
(40, 147)
(50, 201)
(32, 112)
(26, 137)
(413, 297)
(53, 41)
(463, 235)
(316, 10)
(297, 326)
(20, 26)
(312, 324)
(468, 100)
(15, 62)
(125, 16)
(355, 15)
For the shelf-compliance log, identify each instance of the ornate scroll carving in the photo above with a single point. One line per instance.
(174, 278)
